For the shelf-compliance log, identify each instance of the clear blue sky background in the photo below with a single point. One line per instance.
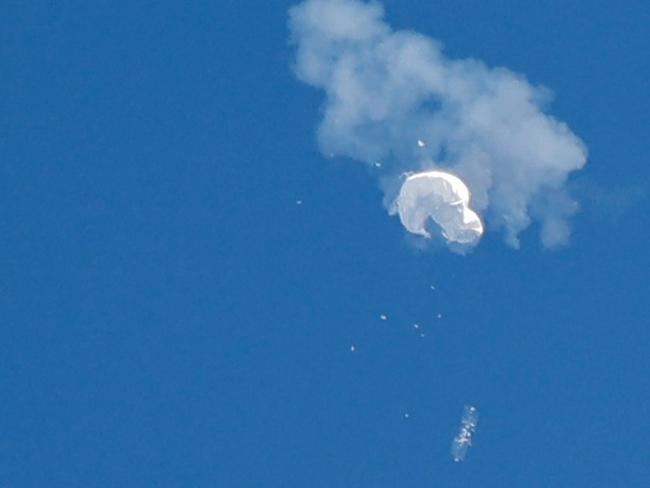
(170, 317)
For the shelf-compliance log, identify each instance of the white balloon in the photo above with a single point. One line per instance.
(443, 198)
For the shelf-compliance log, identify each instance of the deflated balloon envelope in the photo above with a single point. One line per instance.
(442, 197)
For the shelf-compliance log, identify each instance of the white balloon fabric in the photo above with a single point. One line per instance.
(442, 197)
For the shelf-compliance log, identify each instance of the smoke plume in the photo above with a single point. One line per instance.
(396, 102)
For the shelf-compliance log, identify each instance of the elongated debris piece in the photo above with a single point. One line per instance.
(463, 439)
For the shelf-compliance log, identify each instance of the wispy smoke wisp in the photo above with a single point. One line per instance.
(388, 91)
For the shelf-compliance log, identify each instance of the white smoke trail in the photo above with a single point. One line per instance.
(394, 98)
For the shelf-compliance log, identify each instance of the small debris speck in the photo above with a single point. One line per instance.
(439, 315)
(416, 326)
(432, 287)
(406, 415)
(383, 317)
(377, 165)
(352, 348)
(421, 143)
(421, 334)
(298, 202)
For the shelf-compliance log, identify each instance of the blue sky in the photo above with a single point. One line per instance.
(170, 317)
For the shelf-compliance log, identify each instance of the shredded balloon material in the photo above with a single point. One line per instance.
(443, 198)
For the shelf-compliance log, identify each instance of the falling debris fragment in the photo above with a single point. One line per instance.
(421, 143)
(383, 317)
(439, 315)
(298, 202)
(416, 326)
(421, 334)
(432, 287)
(377, 165)
(463, 439)
(352, 348)
(406, 415)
